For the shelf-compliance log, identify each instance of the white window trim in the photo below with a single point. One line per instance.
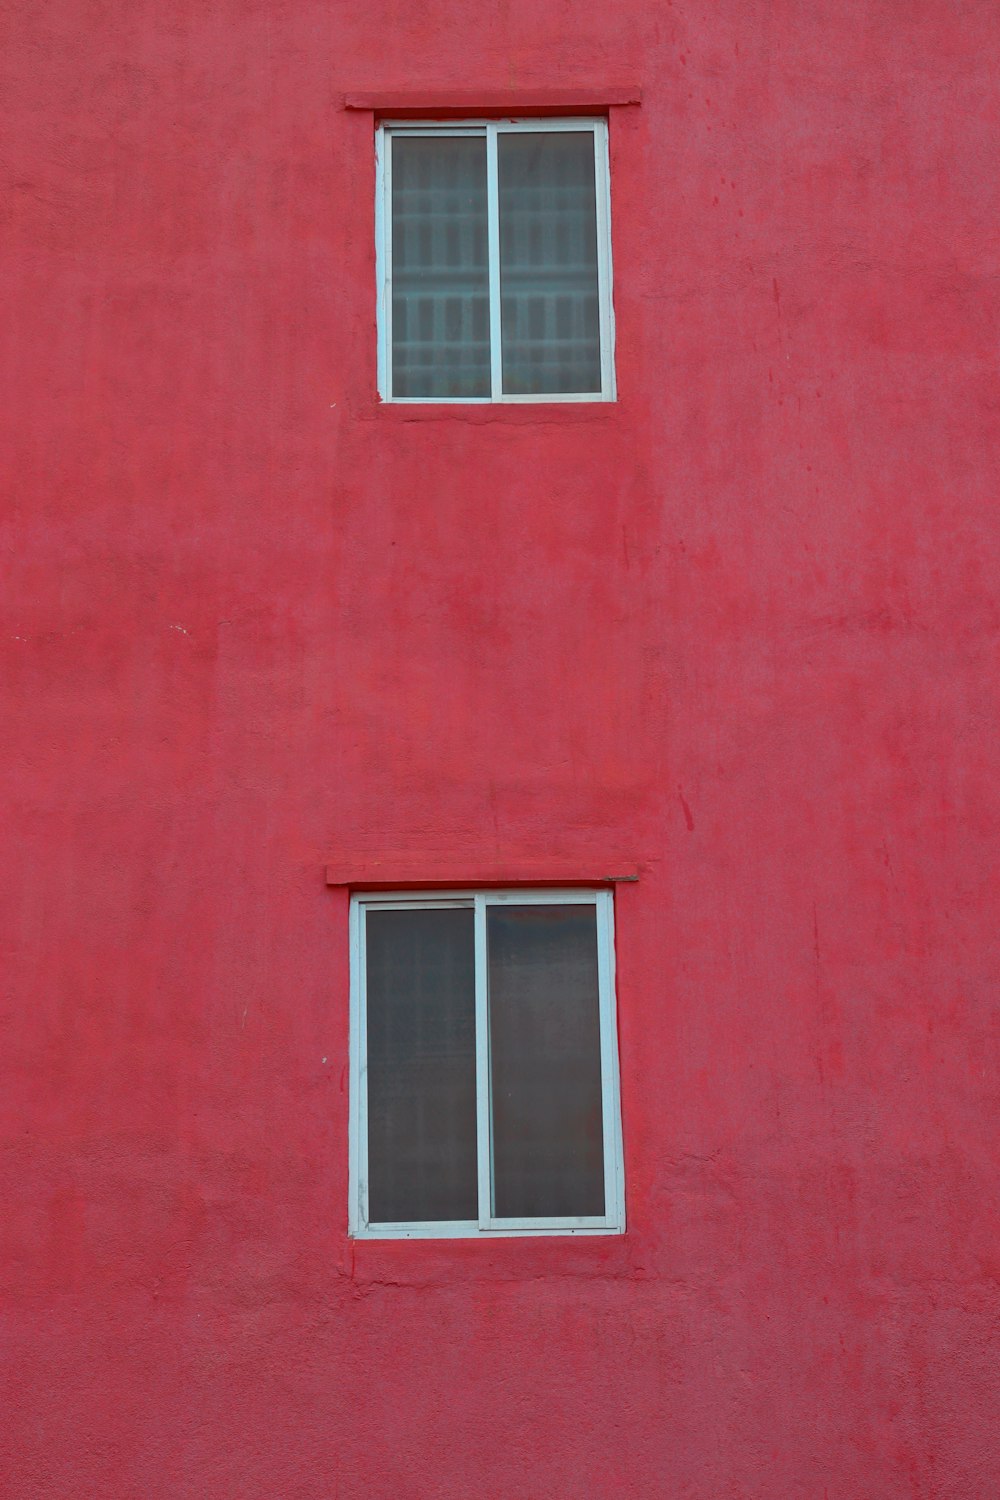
(383, 254)
(613, 1219)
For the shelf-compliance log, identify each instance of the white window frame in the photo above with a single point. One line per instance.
(612, 1221)
(490, 129)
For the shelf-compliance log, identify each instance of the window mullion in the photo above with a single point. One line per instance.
(493, 231)
(484, 1131)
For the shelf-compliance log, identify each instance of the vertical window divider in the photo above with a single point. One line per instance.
(493, 236)
(484, 1130)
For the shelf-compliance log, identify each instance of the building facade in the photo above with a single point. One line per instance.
(722, 649)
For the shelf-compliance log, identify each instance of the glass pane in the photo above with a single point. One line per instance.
(440, 267)
(548, 263)
(545, 1060)
(421, 1066)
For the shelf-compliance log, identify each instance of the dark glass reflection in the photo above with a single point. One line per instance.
(421, 1066)
(545, 1060)
(548, 263)
(440, 267)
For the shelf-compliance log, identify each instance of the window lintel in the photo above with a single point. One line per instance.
(447, 104)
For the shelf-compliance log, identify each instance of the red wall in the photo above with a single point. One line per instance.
(740, 629)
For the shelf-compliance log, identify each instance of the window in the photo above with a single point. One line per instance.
(484, 1065)
(494, 261)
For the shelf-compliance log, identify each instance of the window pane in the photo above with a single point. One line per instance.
(545, 1061)
(440, 267)
(421, 1066)
(548, 263)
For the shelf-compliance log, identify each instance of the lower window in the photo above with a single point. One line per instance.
(484, 1065)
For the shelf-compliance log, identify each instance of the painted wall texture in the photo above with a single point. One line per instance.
(740, 629)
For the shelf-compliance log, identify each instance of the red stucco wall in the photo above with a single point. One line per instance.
(740, 629)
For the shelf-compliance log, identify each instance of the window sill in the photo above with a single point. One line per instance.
(470, 1231)
(530, 413)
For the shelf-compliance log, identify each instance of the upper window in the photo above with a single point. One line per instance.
(494, 261)
(484, 1065)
